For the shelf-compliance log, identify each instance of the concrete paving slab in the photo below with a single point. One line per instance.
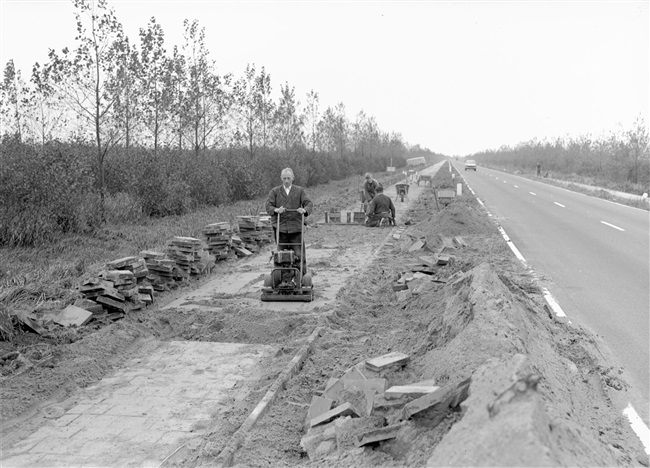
(136, 426)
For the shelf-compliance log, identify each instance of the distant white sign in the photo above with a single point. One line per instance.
(390, 169)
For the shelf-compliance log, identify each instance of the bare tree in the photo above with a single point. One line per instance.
(84, 76)
(13, 92)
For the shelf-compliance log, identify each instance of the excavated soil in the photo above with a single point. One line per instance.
(539, 389)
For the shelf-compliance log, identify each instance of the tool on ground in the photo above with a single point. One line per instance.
(289, 279)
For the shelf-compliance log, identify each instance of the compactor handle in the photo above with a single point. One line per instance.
(277, 231)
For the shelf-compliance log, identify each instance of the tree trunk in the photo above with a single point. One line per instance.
(98, 137)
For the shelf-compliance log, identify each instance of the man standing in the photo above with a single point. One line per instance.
(289, 197)
(380, 207)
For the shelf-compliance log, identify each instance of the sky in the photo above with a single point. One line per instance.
(454, 77)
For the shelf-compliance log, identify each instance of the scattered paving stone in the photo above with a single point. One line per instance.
(378, 435)
(89, 305)
(439, 401)
(319, 405)
(345, 409)
(353, 374)
(409, 391)
(429, 260)
(243, 252)
(385, 405)
(330, 382)
(113, 304)
(320, 441)
(348, 430)
(395, 359)
(417, 245)
(361, 393)
(459, 241)
(71, 315)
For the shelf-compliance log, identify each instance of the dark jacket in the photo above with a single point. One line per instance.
(381, 204)
(370, 188)
(289, 220)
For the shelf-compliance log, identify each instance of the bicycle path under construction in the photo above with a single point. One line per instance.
(170, 394)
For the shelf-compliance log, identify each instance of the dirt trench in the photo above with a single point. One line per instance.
(538, 390)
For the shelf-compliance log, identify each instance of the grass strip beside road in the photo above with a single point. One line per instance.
(44, 277)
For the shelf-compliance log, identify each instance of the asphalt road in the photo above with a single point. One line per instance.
(594, 256)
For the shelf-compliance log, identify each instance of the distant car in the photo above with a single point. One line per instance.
(470, 165)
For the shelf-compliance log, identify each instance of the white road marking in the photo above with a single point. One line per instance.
(638, 426)
(505, 182)
(611, 225)
(516, 186)
(560, 204)
(533, 193)
(512, 246)
(553, 303)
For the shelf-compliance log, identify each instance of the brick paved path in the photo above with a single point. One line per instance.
(166, 397)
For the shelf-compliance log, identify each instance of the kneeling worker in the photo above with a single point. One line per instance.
(380, 207)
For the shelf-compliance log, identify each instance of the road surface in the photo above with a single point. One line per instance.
(595, 255)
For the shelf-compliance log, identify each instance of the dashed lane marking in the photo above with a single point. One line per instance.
(612, 226)
(560, 205)
(638, 426)
(533, 193)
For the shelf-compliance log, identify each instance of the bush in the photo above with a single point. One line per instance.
(122, 207)
(205, 176)
(164, 196)
(44, 192)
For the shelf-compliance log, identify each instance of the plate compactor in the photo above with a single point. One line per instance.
(289, 280)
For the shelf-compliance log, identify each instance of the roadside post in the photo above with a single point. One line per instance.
(390, 169)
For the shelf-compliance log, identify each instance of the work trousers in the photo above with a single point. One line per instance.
(375, 219)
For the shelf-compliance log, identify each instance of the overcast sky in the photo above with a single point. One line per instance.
(455, 77)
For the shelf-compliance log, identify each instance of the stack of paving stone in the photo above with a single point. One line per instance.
(135, 265)
(91, 290)
(219, 239)
(239, 248)
(127, 288)
(248, 232)
(265, 228)
(255, 231)
(121, 288)
(162, 270)
(191, 256)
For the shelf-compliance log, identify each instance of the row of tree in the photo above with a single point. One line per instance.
(118, 93)
(620, 160)
(160, 126)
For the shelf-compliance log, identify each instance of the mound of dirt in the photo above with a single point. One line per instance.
(538, 387)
